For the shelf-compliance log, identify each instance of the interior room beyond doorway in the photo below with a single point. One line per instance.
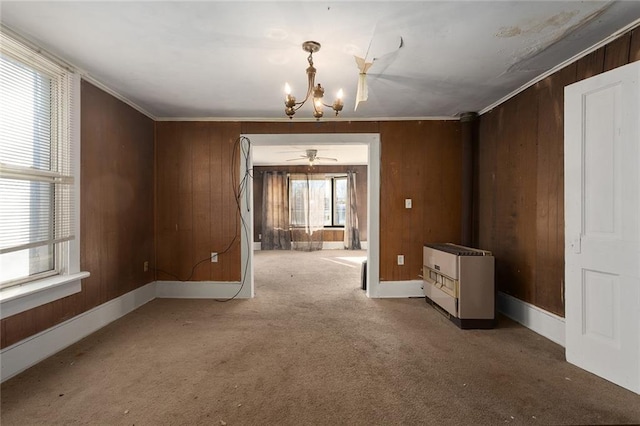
(336, 176)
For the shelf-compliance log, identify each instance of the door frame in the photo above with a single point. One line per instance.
(372, 140)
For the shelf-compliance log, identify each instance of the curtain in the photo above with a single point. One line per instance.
(275, 212)
(308, 192)
(351, 231)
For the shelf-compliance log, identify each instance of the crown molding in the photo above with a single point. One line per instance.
(84, 74)
(89, 78)
(307, 120)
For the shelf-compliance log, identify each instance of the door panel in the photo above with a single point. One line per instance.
(602, 225)
(601, 296)
(601, 203)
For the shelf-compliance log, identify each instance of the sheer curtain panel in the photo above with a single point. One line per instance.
(275, 212)
(308, 197)
(351, 231)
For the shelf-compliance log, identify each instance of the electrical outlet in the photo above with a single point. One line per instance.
(145, 266)
(407, 203)
(401, 259)
(214, 257)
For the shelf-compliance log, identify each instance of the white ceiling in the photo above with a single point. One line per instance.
(230, 60)
(293, 155)
(279, 149)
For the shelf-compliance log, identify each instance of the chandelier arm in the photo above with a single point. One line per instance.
(311, 74)
(299, 105)
(333, 107)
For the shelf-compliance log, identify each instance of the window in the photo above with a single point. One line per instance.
(307, 200)
(37, 183)
(338, 201)
(326, 196)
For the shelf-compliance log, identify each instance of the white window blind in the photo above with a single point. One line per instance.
(36, 175)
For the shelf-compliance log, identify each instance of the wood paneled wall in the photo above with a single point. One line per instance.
(295, 127)
(420, 160)
(518, 193)
(116, 212)
(329, 234)
(520, 180)
(196, 209)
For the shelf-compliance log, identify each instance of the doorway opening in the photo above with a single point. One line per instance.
(293, 145)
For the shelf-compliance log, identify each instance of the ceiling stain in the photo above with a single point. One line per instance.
(506, 32)
(530, 61)
(537, 26)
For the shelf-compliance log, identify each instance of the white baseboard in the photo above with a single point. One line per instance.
(333, 245)
(201, 290)
(389, 289)
(26, 353)
(542, 322)
(326, 245)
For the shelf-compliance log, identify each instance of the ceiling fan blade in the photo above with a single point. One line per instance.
(384, 49)
(302, 157)
(326, 159)
(362, 93)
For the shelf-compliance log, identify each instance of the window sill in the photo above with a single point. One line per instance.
(14, 300)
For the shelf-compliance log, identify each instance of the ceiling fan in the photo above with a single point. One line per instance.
(312, 156)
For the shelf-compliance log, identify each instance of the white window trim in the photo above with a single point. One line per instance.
(20, 298)
(23, 297)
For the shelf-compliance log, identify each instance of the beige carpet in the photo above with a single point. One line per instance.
(309, 349)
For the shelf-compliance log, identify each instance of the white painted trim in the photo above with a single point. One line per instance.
(308, 120)
(398, 289)
(542, 322)
(71, 249)
(29, 295)
(339, 245)
(199, 290)
(247, 288)
(26, 353)
(373, 210)
(74, 69)
(561, 65)
(333, 245)
(20, 298)
(326, 245)
(91, 79)
(372, 140)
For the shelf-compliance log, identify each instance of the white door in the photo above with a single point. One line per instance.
(602, 231)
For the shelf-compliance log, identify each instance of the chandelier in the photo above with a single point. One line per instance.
(317, 92)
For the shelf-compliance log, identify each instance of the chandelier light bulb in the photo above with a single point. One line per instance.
(289, 101)
(340, 94)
